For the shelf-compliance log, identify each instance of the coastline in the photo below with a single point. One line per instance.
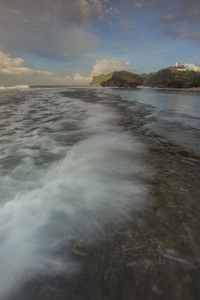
(194, 88)
(148, 87)
(169, 88)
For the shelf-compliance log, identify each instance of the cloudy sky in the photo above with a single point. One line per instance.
(68, 41)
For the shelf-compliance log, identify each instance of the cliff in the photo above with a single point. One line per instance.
(97, 80)
(123, 79)
(166, 78)
(171, 78)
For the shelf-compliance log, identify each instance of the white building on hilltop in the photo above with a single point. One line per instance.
(180, 68)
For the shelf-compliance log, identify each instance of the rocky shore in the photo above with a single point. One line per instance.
(172, 78)
(165, 78)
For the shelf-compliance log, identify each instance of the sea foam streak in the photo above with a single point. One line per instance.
(66, 171)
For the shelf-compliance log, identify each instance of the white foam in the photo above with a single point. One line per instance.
(14, 87)
(93, 184)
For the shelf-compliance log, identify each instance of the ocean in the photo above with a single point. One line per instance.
(99, 193)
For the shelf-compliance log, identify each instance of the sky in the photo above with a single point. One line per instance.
(66, 42)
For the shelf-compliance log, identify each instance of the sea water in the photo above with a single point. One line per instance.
(67, 171)
(172, 114)
(78, 164)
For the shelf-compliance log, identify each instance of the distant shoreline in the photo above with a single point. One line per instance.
(168, 88)
(165, 78)
(194, 88)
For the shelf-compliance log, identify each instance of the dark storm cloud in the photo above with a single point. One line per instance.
(74, 12)
(50, 27)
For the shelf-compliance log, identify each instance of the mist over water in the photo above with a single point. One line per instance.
(67, 172)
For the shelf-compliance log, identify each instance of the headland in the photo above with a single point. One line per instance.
(171, 77)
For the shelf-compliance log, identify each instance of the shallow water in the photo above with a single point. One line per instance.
(99, 194)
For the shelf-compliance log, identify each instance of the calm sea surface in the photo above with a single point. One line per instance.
(99, 194)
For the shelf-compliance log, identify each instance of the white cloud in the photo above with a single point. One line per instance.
(76, 79)
(105, 66)
(14, 71)
(192, 67)
(6, 62)
(101, 66)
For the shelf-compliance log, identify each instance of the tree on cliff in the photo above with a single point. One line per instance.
(123, 79)
(172, 78)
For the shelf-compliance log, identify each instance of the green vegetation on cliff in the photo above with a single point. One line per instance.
(172, 78)
(97, 80)
(166, 78)
(123, 79)
(129, 74)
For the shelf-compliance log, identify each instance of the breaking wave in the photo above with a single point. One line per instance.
(14, 87)
(67, 171)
